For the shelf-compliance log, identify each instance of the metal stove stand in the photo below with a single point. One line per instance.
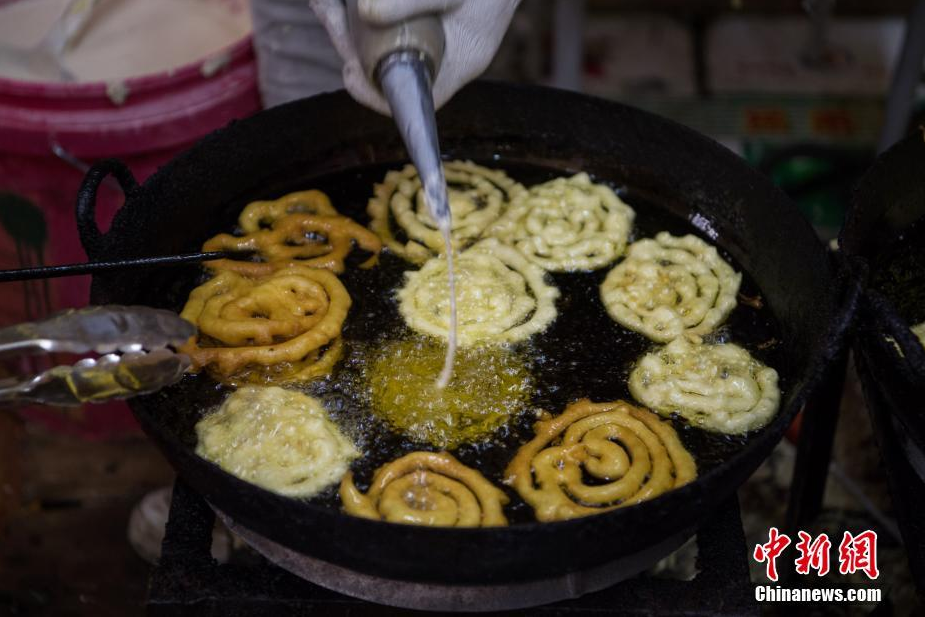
(187, 581)
(907, 489)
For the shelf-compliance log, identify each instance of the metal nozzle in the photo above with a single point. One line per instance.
(402, 60)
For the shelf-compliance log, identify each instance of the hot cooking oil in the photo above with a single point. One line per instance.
(583, 353)
(488, 385)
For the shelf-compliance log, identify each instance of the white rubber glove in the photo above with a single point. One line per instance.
(473, 30)
(294, 56)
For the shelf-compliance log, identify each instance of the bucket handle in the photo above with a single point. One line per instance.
(91, 238)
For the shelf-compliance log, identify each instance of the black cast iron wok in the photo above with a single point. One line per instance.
(285, 148)
(884, 247)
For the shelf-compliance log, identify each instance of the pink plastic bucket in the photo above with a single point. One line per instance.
(49, 132)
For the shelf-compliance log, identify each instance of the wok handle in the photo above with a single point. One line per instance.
(91, 238)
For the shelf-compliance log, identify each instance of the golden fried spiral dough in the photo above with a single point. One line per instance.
(567, 224)
(719, 388)
(283, 317)
(427, 488)
(305, 239)
(317, 363)
(669, 286)
(631, 454)
(278, 439)
(501, 297)
(259, 215)
(477, 195)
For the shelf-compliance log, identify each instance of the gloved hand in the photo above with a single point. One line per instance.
(473, 31)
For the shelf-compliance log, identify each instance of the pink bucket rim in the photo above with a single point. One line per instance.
(136, 85)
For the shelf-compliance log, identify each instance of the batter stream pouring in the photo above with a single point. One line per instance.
(403, 60)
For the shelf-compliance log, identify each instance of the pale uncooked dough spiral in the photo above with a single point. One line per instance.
(478, 196)
(427, 488)
(669, 286)
(629, 453)
(501, 297)
(278, 439)
(567, 224)
(719, 388)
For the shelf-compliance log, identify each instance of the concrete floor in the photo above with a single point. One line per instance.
(63, 551)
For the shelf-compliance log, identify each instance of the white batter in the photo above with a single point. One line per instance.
(127, 38)
(279, 439)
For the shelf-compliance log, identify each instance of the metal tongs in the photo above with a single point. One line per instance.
(134, 346)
